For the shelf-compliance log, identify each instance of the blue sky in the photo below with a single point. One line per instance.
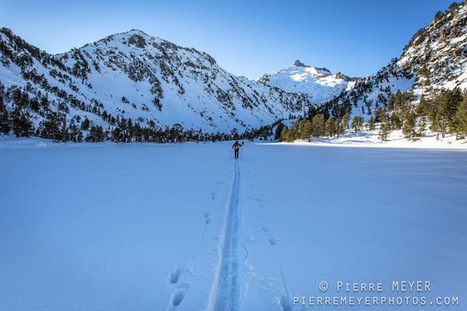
(245, 37)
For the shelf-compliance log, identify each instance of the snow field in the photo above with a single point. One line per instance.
(186, 227)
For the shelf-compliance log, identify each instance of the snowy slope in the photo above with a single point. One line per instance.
(317, 83)
(150, 80)
(438, 52)
(138, 227)
(434, 59)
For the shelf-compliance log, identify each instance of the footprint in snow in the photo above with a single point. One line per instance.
(177, 297)
(272, 241)
(178, 279)
(176, 300)
(269, 236)
(207, 217)
(174, 276)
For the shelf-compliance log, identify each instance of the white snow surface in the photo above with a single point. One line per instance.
(396, 139)
(109, 226)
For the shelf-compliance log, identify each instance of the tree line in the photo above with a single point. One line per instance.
(320, 126)
(33, 116)
(443, 112)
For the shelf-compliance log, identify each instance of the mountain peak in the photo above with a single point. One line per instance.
(314, 70)
(137, 32)
(299, 64)
(137, 38)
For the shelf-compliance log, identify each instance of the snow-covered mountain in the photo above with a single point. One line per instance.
(133, 85)
(319, 84)
(133, 75)
(434, 59)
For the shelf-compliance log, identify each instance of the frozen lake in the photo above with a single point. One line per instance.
(186, 227)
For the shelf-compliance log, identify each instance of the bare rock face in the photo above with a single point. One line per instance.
(299, 64)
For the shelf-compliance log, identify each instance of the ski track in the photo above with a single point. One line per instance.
(226, 289)
(284, 300)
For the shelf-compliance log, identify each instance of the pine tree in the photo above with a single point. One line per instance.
(292, 133)
(398, 100)
(461, 117)
(85, 124)
(395, 122)
(452, 106)
(44, 102)
(279, 129)
(80, 137)
(421, 127)
(306, 129)
(379, 114)
(357, 124)
(392, 99)
(409, 126)
(435, 124)
(64, 133)
(22, 124)
(346, 120)
(49, 127)
(340, 127)
(422, 108)
(371, 124)
(384, 131)
(4, 122)
(283, 136)
(96, 134)
(441, 111)
(330, 127)
(74, 134)
(385, 128)
(318, 125)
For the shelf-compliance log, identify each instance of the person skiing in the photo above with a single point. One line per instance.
(236, 147)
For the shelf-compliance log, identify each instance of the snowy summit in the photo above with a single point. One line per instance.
(319, 84)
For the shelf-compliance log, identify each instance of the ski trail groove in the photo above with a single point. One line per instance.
(225, 292)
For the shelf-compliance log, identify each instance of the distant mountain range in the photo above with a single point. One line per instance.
(132, 75)
(134, 85)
